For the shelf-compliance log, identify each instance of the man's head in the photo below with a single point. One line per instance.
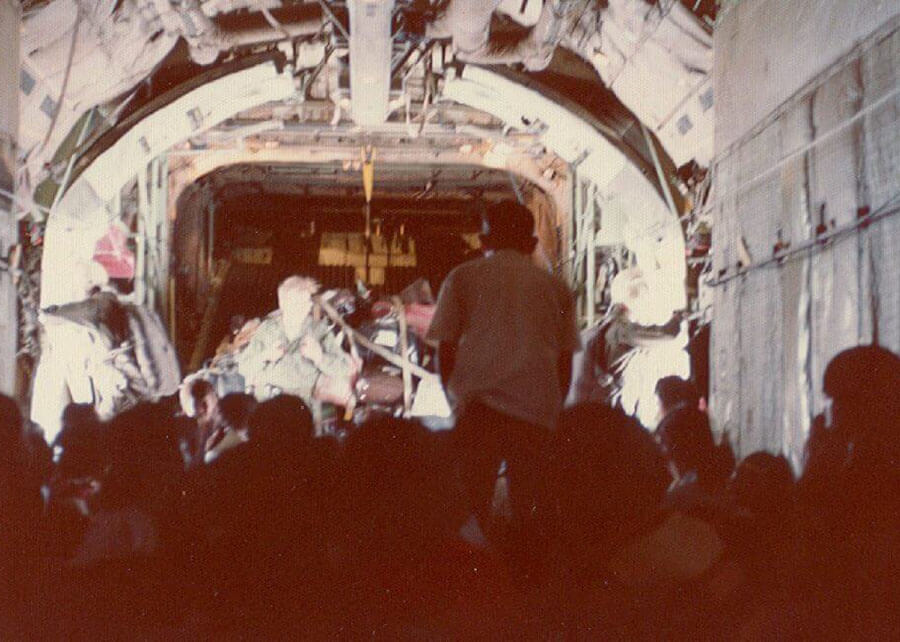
(205, 400)
(687, 440)
(235, 409)
(764, 484)
(508, 226)
(863, 383)
(79, 448)
(283, 422)
(295, 302)
(675, 392)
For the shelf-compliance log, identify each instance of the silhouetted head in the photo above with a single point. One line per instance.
(281, 422)
(508, 226)
(675, 392)
(79, 448)
(235, 410)
(397, 492)
(864, 385)
(606, 472)
(763, 483)
(688, 441)
(144, 455)
(79, 414)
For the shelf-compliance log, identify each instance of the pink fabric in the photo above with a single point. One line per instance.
(112, 253)
(419, 316)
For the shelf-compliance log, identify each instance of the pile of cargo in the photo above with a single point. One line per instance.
(346, 354)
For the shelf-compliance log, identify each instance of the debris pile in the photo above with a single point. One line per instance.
(104, 352)
(336, 350)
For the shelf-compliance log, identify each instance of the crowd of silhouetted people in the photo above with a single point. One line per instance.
(146, 527)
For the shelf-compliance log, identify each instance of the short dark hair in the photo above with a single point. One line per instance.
(509, 225)
(236, 409)
(862, 372)
(673, 391)
(283, 419)
(863, 382)
(200, 388)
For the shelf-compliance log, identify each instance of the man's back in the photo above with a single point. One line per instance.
(511, 321)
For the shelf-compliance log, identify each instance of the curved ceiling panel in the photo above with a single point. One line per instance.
(650, 228)
(82, 217)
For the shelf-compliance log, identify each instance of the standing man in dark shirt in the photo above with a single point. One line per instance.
(506, 332)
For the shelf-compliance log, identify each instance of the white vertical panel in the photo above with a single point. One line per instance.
(881, 75)
(725, 397)
(370, 60)
(9, 118)
(794, 290)
(834, 201)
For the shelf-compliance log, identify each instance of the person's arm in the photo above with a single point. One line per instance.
(446, 361)
(447, 327)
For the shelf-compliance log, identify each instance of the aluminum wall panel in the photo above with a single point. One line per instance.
(725, 372)
(835, 197)
(827, 152)
(880, 77)
(767, 50)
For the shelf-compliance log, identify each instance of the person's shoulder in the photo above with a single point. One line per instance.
(467, 269)
(477, 263)
(560, 287)
(268, 322)
(555, 288)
